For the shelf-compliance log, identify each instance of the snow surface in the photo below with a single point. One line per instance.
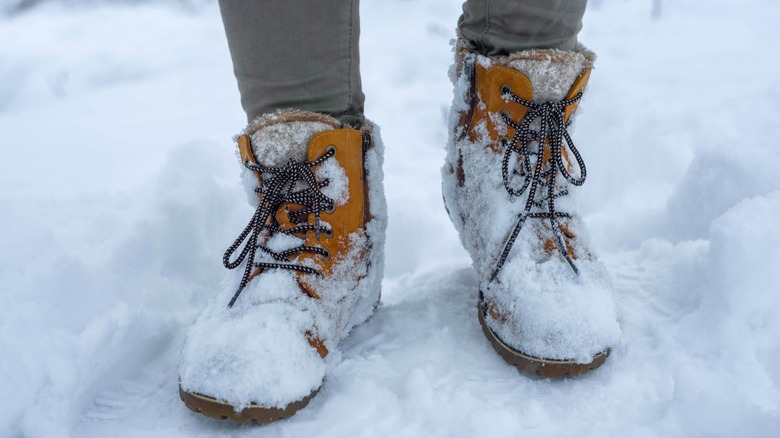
(119, 193)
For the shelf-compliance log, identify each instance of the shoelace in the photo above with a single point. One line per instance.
(277, 189)
(552, 133)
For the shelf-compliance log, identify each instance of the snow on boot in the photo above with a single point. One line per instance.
(511, 178)
(308, 268)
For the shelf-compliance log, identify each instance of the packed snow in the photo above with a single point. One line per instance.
(119, 192)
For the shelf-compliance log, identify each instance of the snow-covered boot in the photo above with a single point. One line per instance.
(309, 268)
(510, 182)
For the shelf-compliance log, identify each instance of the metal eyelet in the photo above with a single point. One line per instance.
(505, 89)
(505, 115)
(287, 212)
(326, 256)
(328, 233)
(329, 148)
(331, 210)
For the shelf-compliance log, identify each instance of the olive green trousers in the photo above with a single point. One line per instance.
(304, 54)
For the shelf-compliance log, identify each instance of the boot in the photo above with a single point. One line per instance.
(307, 268)
(511, 178)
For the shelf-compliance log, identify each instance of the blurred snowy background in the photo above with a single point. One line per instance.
(119, 193)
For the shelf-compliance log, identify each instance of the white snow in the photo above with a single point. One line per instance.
(119, 192)
(338, 183)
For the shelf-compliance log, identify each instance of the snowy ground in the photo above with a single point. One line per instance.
(119, 193)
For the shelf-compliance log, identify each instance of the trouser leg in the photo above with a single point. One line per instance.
(296, 54)
(500, 27)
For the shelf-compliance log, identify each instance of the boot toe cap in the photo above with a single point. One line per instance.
(260, 357)
(554, 315)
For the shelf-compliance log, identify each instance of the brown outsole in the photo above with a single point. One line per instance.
(535, 365)
(214, 408)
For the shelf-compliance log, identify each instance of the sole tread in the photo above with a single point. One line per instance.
(257, 414)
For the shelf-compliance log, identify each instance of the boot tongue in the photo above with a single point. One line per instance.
(280, 136)
(551, 72)
(275, 145)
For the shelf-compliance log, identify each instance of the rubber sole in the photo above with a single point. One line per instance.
(534, 365)
(214, 408)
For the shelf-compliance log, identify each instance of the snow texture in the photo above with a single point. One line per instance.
(119, 193)
(551, 71)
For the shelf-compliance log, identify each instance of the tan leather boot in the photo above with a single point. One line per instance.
(510, 183)
(308, 268)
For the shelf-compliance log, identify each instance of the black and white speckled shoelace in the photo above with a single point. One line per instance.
(281, 185)
(551, 134)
